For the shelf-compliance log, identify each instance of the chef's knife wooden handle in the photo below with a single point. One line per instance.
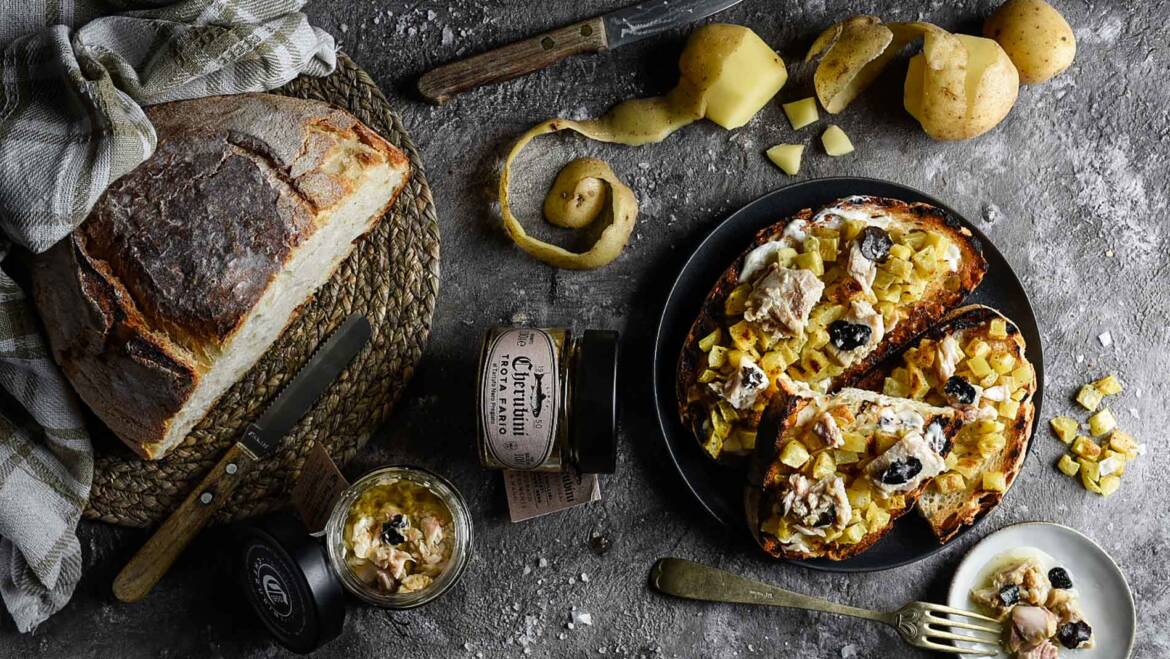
(158, 554)
(513, 60)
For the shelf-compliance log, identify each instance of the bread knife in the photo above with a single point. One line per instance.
(601, 33)
(258, 441)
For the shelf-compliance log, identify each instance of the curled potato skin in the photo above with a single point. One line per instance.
(585, 176)
(1036, 37)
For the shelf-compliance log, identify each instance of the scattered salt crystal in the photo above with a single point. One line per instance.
(570, 626)
(515, 606)
(1109, 253)
(584, 577)
(431, 15)
(527, 569)
(1080, 358)
(601, 650)
(344, 28)
(562, 636)
(572, 580)
(991, 213)
(1141, 449)
(467, 646)
(1106, 339)
(582, 618)
(849, 651)
(448, 36)
(1134, 413)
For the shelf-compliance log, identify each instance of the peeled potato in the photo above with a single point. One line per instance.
(1035, 36)
(960, 86)
(734, 68)
(853, 52)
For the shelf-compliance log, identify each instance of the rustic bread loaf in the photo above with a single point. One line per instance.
(189, 267)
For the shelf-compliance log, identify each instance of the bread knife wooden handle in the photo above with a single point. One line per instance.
(258, 441)
(512, 61)
(158, 554)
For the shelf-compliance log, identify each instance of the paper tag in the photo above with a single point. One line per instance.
(317, 489)
(535, 493)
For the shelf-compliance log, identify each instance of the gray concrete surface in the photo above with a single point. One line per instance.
(1072, 188)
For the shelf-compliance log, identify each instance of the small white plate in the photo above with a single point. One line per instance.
(1105, 597)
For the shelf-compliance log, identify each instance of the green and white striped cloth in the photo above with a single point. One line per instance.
(74, 76)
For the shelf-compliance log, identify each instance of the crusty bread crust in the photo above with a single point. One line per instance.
(692, 360)
(141, 299)
(947, 514)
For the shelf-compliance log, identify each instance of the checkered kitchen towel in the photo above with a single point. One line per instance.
(74, 76)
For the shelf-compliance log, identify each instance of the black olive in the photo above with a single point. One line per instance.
(1059, 578)
(960, 390)
(1073, 634)
(848, 336)
(875, 244)
(390, 535)
(752, 378)
(826, 517)
(1009, 594)
(901, 471)
(399, 521)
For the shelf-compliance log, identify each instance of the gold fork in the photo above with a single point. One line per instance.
(917, 622)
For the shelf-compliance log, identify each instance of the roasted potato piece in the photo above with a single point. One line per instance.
(1035, 36)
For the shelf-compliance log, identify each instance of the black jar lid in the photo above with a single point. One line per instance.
(593, 431)
(287, 579)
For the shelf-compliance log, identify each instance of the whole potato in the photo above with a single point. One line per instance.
(1035, 36)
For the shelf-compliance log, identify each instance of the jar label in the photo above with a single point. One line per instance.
(520, 397)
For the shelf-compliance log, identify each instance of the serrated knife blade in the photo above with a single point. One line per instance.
(258, 441)
(645, 19)
(294, 401)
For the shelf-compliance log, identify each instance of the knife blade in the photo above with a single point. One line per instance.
(613, 30)
(645, 19)
(258, 441)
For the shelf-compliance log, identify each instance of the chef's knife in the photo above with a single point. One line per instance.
(612, 30)
(258, 441)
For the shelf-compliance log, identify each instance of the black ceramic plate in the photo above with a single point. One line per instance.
(719, 488)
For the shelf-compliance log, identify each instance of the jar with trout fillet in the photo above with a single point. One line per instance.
(547, 400)
(399, 537)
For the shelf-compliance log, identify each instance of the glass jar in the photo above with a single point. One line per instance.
(547, 400)
(340, 552)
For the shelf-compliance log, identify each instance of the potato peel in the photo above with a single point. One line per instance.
(854, 52)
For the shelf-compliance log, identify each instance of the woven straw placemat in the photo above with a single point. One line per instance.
(392, 277)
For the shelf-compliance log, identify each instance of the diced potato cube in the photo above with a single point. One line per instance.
(1090, 469)
(711, 340)
(714, 443)
(737, 300)
(924, 261)
(951, 481)
(1089, 397)
(811, 261)
(952, 459)
(740, 81)
(743, 335)
(845, 457)
(859, 494)
(773, 362)
(855, 442)
(829, 249)
(1068, 466)
(735, 358)
(997, 329)
(884, 442)
(896, 501)
(979, 367)
(708, 376)
(978, 348)
(1086, 448)
(744, 438)
(823, 465)
(801, 113)
(1003, 362)
(989, 380)
(900, 251)
(995, 481)
(985, 426)
(835, 141)
(1065, 428)
(853, 534)
(1089, 482)
(1102, 423)
(794, 454)
(1109, 485)
(772, 525)
(1123, 442)
(1023, 374)
(893, 387)
(786, 157)
(1008, 409)
(1108, 385)
(968, 466)
(727, 411)
(717, 357)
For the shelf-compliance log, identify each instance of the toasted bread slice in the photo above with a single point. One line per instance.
(994, 440)
(833, 471)
(931, 265)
